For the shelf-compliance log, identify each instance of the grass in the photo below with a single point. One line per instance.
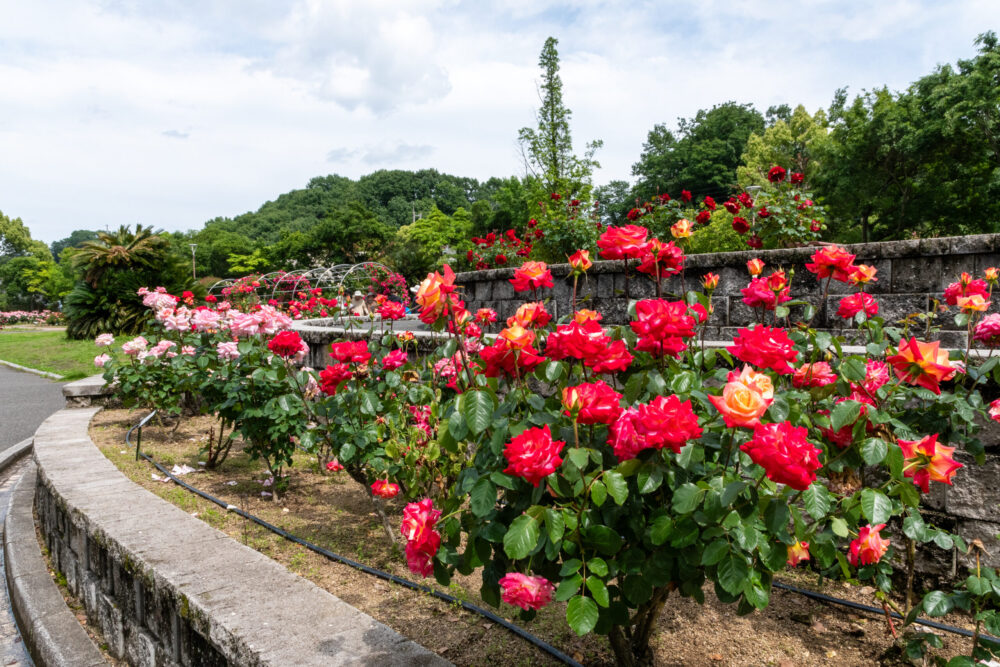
(49, 351)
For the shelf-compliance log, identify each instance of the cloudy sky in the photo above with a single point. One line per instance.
(171, 113)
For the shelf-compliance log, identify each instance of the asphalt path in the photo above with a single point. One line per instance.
(26, 400)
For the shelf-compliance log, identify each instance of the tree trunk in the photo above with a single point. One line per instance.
(631, 643)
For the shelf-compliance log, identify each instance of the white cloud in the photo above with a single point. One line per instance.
(98, 96)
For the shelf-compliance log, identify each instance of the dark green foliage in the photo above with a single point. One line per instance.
(701, 157)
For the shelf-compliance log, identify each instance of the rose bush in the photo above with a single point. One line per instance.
(608, 467)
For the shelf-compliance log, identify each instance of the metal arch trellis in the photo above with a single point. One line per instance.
(218, 286)
(337, 279)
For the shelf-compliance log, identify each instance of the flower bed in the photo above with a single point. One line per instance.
(36, 318)
(611, 468)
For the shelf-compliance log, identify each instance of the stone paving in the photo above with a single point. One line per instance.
(12, 650)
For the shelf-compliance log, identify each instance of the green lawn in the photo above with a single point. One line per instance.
(49, 351)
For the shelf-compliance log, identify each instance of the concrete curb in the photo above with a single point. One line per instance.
(14, 452)
(18, 367)
(50, 630)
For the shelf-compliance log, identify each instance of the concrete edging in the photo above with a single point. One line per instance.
(168, 589)
(18, 367)
(51, 632)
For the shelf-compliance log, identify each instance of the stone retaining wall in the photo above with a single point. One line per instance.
(167, 589)
(910, 274)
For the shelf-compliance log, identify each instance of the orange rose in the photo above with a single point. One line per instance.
(433, 294)
(923, 364)
(583, 315)
(973, 304)
(580, 261)
(681, 229)
(710, 281)
(797, 553)
(861, 274)
(755, 266)
(745, 398)
(516, 337)
(532, 314)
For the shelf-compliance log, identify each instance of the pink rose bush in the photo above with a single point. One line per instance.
(609, 467)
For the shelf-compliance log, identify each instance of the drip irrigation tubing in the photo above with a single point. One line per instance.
(520, 632)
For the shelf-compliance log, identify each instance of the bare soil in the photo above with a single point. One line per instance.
(334, 512)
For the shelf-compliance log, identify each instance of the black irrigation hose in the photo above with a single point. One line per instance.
(520, 632)
(864, 607)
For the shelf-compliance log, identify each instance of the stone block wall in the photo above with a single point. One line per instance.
(910, 275)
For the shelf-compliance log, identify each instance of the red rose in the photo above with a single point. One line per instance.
(965, 287)
(663, 422)
(332, 376)
(662, 326)
(765, 347)
(758, 293)
(782, 450)
(856, 303)
(869, 547)
(685, 195)
(581, 340)
(667, 258)
(755, 242)
(385, 489)
(740, 225)
(732, 206)
(927, 460)
(555, 196)
(531, 276)
(615, 358)
(709, 203)
(394, 360)
(526, 592)
(351, 351)
(818, 374)
(815, 226)
(776, 174)
(422, 541)
(627, 242)
(832, 261)
(591, 403)
(703, 217)
(392, 310)
(286, 344)
(797, 178)
(533, 455)
(744, 198)
(500, 359)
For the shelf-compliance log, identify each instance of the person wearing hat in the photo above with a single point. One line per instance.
(358, 304)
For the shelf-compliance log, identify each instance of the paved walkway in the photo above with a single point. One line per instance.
(12, 651)
(26, 400)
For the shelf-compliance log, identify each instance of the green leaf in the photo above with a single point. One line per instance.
(937, 603)
(915, 528)
(581, 614)
(568, 588)
(521, 537)
(570, 566)
(731, 492)
(844, 413)
(477, 408)
(598, 493)
(874, 450)
(715, 552)
(637, 589)
(686, 498)
(369, 403)
(853, 369)
(660, 531)
(555, 525)
(875, 506)
(839, 527)
(578, 456)
(649, 479)
(778, 411)
(457, 426)
(732, 572)
(599, 590)
(483, 497)
(598, 566)
(617, 486)
(604, 539)
(554, 371)
(817, 501)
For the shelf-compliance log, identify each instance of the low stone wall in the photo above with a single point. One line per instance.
(910, 274)
(167, 589)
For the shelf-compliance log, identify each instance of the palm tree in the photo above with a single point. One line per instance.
(121, 249)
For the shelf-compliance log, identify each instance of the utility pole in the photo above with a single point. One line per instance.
(194, 275)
